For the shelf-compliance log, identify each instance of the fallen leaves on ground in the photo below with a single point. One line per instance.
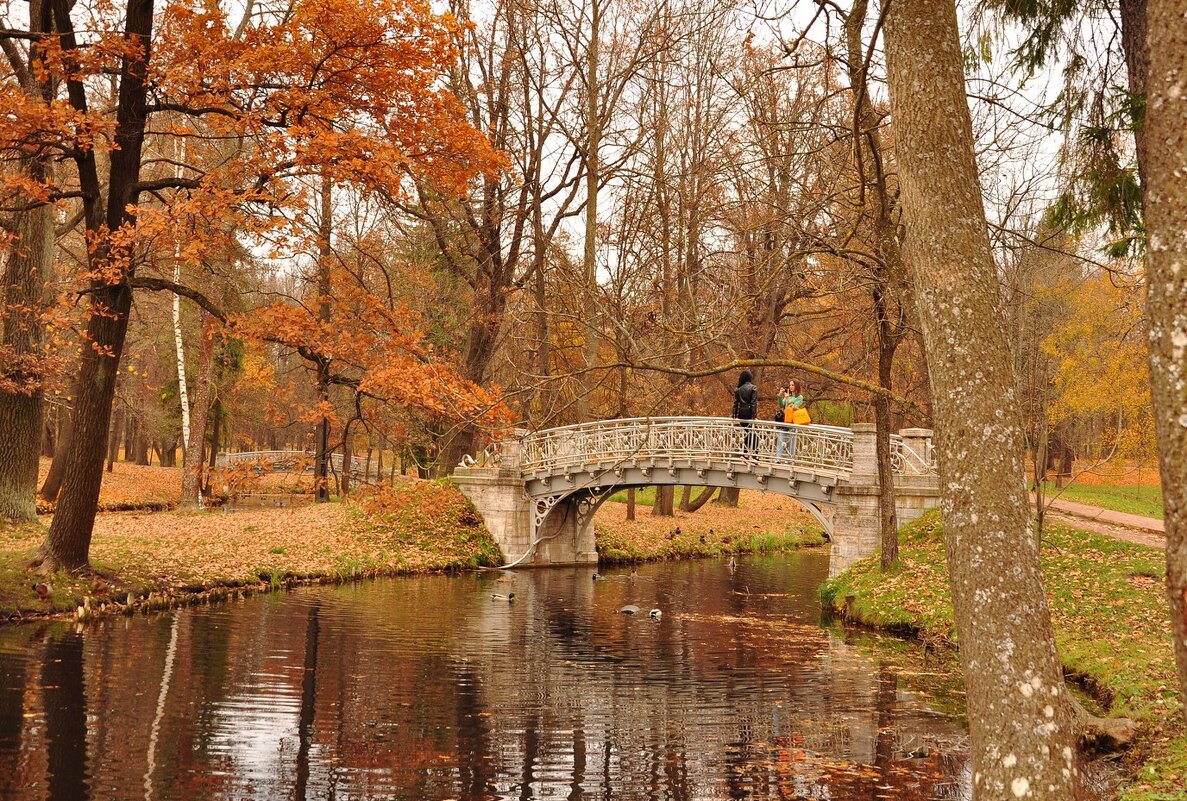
(761, 522)
(1111, 624)
(415, 526)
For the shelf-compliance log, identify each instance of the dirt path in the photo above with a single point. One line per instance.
(1138, 535)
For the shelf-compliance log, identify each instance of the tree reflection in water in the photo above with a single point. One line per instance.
(424, 689)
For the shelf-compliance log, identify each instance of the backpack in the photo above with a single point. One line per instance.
(747, 402)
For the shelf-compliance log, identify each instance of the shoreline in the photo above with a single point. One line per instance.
(148, 562)
(1111, 629)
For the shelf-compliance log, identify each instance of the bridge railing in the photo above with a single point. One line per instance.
(917, 459)
(721, 440)
(281, 461)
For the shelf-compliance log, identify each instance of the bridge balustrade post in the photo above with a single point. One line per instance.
(856, 521)
(917, 492)
(511, 454)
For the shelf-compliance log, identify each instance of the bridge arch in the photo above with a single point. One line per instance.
(519, 485)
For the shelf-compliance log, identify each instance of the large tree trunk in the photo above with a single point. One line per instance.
(69, 539)
(1166, 300)
(68, 542)
(22, 302)
(1022, 737)
(191, 482)
(21, 407)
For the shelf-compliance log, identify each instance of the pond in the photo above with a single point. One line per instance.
(427, 688)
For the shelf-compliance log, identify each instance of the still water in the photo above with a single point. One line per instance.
(426, 688)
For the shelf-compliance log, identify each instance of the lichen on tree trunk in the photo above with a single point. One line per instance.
(1166, 276)
(1022, 733)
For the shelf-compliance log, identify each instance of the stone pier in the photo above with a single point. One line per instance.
(564, 535)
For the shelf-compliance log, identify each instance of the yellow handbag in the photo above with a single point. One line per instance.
(801, 417)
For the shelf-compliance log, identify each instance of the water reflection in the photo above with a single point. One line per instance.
(428, 689)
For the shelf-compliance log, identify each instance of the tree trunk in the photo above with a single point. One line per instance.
(321, 458)
(49, 435)
(22, 288)
(1021, 728)
(53, 479)
(1135, 45)
(68, 542)
(630, 504)
(1166, 300)
(593, 127)
(183, 394)
(22, 302)
(701, 499)
(685, 497)
(191, 481)
(216, 414)
(664, 495)
(347, 455)
(887, 515)
(129, 434)
(727, 497)
(113, 439)
(139, 445)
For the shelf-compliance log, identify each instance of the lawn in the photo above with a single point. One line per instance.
(1111, 623)
(762, 522)
(1136, 500)
(645, 496)
(412, 527)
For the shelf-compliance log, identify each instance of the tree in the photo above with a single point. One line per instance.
(335, 87)
(1023, 742)
(30, 228)
(1166, 300)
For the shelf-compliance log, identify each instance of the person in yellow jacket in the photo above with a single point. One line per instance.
(791, 398)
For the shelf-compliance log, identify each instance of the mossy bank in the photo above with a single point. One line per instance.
(1109, 611)
(152, 561)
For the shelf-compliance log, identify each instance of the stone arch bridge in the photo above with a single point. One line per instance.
(538, 492)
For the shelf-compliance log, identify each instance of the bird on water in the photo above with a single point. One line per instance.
(494, 596)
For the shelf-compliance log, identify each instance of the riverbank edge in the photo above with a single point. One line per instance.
(1155, 762)
(388, 517)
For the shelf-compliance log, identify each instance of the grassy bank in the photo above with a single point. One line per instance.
(761, 523)
(167, 557)
(163, 558)
(1111, 623)
(1134, 500)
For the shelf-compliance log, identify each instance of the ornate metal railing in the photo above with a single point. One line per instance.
(908, 460)
(283, 461)
(720, 440)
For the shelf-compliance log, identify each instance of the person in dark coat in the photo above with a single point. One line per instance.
(746, 409)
